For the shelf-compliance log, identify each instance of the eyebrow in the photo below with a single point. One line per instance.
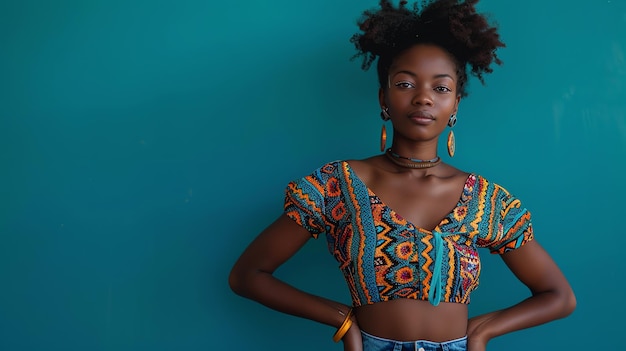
(437, 76)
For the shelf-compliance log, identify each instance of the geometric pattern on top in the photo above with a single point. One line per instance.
(384, 257)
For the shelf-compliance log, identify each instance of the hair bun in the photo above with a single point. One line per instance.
(451, 24)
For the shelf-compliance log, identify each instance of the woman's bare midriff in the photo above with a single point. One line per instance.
(409, 320)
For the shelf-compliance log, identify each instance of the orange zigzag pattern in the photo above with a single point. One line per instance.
(428, 279)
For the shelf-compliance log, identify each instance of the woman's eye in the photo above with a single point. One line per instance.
(404, 85)
(443, 89)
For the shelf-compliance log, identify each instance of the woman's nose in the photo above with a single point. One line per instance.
(423, 96)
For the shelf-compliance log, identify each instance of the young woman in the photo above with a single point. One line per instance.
(404, 226)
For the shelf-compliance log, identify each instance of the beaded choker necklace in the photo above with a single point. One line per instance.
(408, 162)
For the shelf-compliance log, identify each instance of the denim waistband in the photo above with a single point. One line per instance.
(375, 343)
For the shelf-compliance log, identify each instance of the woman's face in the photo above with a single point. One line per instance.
(421, 92)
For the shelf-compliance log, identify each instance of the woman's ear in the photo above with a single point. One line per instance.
(381, 97)
(456, 104)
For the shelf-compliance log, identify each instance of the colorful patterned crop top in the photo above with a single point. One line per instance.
(384, 257)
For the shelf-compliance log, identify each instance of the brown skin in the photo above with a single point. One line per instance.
(421, 96)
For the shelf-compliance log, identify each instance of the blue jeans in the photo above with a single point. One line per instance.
(374, 343)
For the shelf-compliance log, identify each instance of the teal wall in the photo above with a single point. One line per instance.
(143, 144)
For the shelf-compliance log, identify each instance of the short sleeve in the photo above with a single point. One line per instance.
(511, 225)
(304, 203)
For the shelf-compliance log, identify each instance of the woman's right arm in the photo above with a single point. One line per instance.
(252, 277)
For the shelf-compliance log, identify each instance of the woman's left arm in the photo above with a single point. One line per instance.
(552, 297)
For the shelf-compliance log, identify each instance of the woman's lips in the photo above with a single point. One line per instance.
(422, 118)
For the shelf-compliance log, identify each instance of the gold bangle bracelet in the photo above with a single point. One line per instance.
(343, 329)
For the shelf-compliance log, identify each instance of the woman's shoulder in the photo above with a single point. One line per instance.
(367, 168)
(488, 182)
(487, 189)
(322, 173)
